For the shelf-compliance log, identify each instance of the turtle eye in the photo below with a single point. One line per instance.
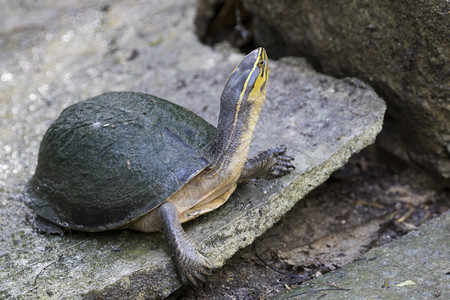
(261, 64)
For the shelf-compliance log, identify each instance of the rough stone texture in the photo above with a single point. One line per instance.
(57, 53)
(402, 49)
(421, 256)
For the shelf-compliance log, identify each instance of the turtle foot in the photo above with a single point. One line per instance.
(282, 163)
(271, 163)
(43, 226)
(192, 266)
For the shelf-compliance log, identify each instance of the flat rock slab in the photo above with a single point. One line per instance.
(55, 54)
(414, 267)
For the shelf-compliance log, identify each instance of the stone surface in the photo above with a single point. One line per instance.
(55, 54)
(402, 49)
(414, 267)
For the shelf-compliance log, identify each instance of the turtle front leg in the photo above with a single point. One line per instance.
(191, 265)
(270, 164)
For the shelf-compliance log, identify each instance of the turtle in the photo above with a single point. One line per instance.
(129, 160)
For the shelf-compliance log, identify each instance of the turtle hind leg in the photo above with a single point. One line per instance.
(44, 226)
(191, 265)
(269, 164)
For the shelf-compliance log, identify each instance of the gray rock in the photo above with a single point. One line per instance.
(55, 54)
(402, 49)
(414, 267)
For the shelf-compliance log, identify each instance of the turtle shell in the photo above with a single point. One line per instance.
(113, 158)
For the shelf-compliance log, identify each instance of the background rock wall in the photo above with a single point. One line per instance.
(400, 48)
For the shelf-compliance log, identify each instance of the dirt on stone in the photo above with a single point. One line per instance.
(363, 205)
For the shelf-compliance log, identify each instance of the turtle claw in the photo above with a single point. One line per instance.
(192, 266)
(282, 164)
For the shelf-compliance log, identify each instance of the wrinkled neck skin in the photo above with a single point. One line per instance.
(234, 134)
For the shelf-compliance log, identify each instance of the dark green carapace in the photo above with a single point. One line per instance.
(113, 158)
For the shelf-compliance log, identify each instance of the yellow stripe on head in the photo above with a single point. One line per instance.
(245, 87)
(255, 85)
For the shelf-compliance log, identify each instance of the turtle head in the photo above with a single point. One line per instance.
(240, 105)
(246, 85)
